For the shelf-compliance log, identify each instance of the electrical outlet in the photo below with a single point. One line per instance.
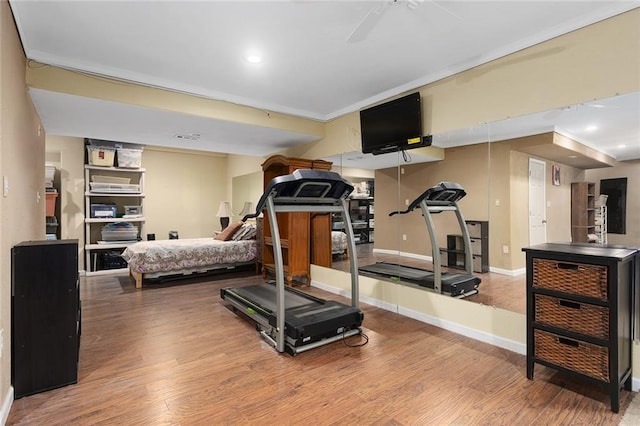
(406, 202)
(505, 249)
(401, 170)
(404, 237)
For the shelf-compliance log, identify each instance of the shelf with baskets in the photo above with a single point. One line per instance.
(114, 219)
(580, 312)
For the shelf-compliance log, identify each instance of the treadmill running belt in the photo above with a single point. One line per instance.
(453, 283)
(265, 297)
(394, 270)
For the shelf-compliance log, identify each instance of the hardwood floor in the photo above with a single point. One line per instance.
(501, 291)
(176, 354)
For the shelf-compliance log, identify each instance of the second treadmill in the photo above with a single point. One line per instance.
(439, 198)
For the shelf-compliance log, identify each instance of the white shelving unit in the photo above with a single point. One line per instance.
(109, 195)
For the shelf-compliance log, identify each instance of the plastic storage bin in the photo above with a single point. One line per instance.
(114, 188)
(101, 155)
(110, 179)
(52, 225)
(122, 231)
(132, 210)
(49, 173)
(113, 261)
(103, 210)
(129, 158)
(51, 203)
(120, 234)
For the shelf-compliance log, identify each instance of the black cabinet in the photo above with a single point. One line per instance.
(45, 315)
(579, 312)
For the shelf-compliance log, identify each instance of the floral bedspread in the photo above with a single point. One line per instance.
(174, 255)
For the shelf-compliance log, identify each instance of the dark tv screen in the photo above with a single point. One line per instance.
(393, 126)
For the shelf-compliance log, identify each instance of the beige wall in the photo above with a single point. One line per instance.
(630, 170)
(246, 188)
(508, 201)
(183, 191)
(70, 160)
(467, 166)
(22, 154)
(590, 63)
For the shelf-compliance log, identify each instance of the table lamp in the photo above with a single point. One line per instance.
(224, 213)
(246, 209)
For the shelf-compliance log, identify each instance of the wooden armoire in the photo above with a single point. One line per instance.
(305, 237)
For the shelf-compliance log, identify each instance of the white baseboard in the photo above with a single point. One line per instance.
(482, 336)
(635, 384)
(509, 272)
(6, 406)
(404, 254)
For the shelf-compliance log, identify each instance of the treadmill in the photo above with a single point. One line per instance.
(439, 198)
(289, 319)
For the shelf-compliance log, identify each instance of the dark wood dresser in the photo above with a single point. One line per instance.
(580, 311)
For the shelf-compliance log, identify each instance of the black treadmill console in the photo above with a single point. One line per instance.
(443, 192)
(305, 187)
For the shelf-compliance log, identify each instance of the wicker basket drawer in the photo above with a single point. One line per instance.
(574, 278)
(581, 318)
(586, 358)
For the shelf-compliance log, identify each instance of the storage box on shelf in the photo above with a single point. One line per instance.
(101, 155)
(51, 203)
(110, 192)
(129, 158)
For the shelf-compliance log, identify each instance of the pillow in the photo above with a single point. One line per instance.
(228, 232)
(247, 232)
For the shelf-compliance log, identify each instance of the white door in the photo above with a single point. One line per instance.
(537, 203)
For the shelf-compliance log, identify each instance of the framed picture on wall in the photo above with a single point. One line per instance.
(555, 175)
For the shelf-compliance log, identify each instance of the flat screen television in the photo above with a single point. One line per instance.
(393, 126)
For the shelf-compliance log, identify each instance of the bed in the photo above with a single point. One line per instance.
(183, 257)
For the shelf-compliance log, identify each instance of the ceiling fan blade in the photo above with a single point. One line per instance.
(368, 22)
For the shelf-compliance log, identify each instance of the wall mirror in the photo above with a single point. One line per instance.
(492, 162)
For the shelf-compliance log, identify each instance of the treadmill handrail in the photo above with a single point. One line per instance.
(451, 190)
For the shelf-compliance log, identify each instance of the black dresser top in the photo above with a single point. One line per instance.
(585, 249)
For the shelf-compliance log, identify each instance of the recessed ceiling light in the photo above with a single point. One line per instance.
(622, 146)
(254, 59)
(591, 128)
(573, 156)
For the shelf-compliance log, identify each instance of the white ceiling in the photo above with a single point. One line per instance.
(321, 59)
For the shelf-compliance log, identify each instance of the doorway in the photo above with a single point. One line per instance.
(537, 202)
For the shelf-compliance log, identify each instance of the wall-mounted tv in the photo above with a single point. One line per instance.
(393, 126)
